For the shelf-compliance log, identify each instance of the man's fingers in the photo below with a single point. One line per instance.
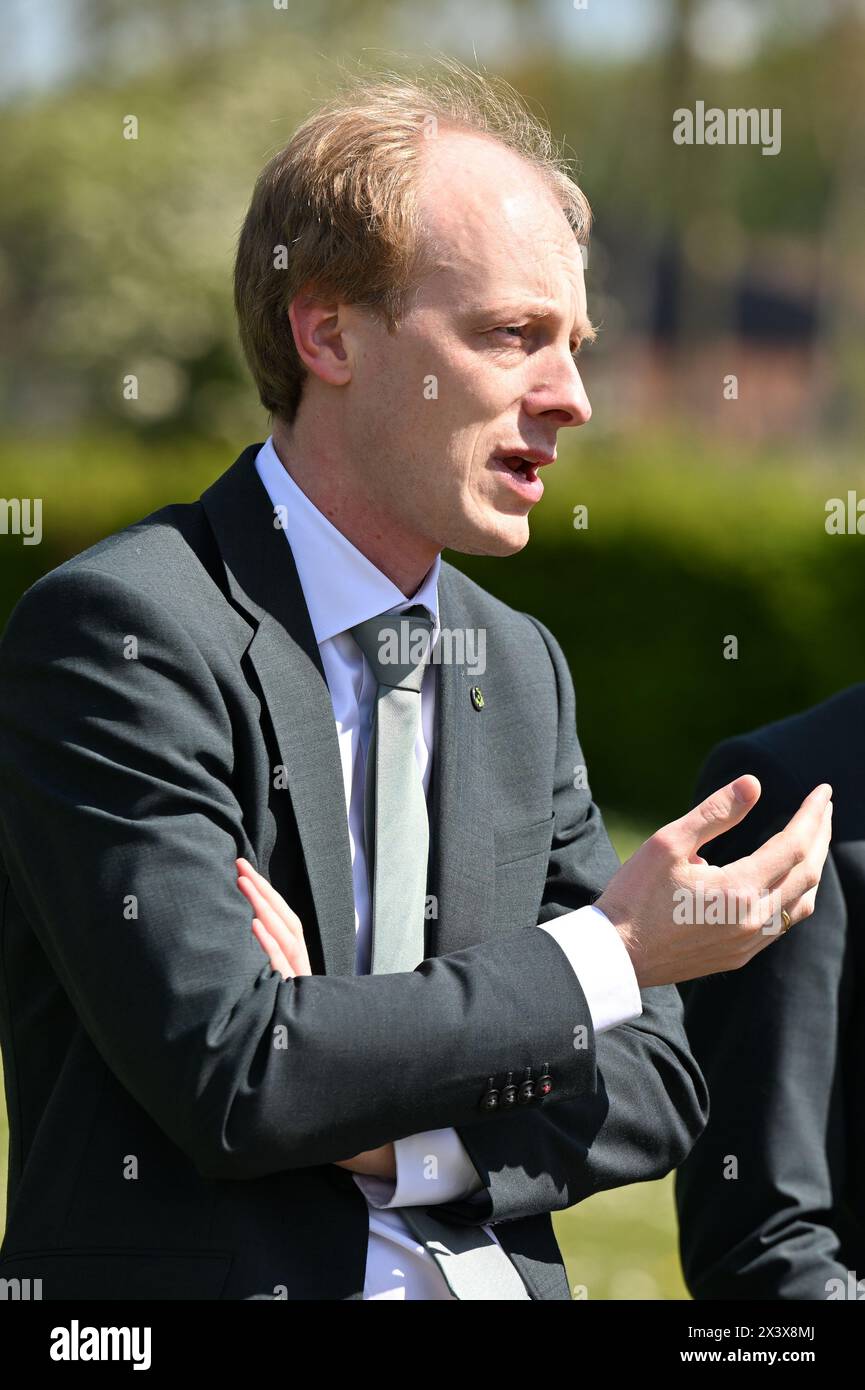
(273, 934)
(267, 890)
(797, 892)
(717, 813)
(286, 931)
(803, 835)
(283, 930)
(272, 950)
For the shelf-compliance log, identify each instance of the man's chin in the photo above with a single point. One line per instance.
(506, 536)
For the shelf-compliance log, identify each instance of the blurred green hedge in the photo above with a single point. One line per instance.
(682, 549)
(678, 555)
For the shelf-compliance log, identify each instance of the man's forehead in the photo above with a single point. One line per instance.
(501, 239)
(529, 283)
(514, 286)
(493, 206)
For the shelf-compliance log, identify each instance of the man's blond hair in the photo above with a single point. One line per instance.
(337, 210)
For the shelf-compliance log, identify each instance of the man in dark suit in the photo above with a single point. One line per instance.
(771, 1200)
(213, 683)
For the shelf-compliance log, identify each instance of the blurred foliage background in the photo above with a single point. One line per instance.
(728, 380)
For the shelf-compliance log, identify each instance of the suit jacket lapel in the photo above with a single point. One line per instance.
(263, 580)
(462, 876)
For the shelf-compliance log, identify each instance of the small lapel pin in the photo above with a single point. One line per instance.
(477, 697)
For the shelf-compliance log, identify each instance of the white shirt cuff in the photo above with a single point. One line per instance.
(431, 1167)
(601, 963)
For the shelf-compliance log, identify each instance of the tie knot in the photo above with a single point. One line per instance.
(397, 647)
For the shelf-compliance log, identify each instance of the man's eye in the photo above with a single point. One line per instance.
(518, 330)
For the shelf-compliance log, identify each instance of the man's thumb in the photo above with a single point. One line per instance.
(718, 812)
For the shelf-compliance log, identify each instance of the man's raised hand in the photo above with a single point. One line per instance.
(681, 918)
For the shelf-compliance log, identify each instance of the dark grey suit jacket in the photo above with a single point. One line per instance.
(781, 1042)
(175, 1107)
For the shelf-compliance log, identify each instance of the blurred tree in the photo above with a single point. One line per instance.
(116, 253)
(839, 115)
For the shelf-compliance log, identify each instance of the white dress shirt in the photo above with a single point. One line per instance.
(341, 588)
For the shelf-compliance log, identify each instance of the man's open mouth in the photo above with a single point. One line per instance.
(527, 463)
(528, 469)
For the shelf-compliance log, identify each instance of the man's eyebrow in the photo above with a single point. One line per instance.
(533, 309)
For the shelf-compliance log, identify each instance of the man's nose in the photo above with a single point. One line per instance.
(565, 396)
(584, 408)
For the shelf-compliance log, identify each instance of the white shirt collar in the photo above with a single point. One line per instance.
(340, 585)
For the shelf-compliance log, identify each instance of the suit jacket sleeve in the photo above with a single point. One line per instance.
(759, 1197)
(119, 828)
(650, 1103)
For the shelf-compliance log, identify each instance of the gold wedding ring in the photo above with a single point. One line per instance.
(785, 916)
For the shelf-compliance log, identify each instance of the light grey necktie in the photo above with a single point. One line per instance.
(396, 828)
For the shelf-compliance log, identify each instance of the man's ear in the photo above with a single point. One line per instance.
(317, 325)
